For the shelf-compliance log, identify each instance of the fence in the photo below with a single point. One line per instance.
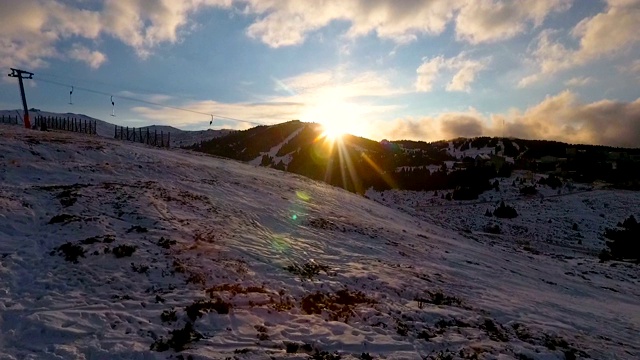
(8, 119)
(67, 124)
(143, 136)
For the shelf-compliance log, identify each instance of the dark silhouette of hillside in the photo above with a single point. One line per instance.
(357, 163)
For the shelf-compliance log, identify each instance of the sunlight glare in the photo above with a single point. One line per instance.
(332, 131)
(337, 114)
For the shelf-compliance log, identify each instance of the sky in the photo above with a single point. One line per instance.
(413, 69)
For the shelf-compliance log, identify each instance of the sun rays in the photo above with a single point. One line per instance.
(347, 164)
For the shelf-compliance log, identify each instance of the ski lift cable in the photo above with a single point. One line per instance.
(129, 98)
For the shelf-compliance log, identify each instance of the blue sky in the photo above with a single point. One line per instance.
(426, 70)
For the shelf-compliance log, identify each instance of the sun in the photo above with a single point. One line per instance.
(332, 131)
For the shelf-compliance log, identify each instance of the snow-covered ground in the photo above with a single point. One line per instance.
(286, 159)
(220, 259)
(179, 138)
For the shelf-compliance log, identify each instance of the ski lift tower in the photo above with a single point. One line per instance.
(21, 74)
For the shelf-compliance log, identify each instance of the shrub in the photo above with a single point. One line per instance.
(466, 193)
(64, 219)
(199, 307)
(438, 298)
(307, 270)
(138, 229)
(552, 181)
(140, 269)
(323, 355)
(625, 242)
(179, 339)
(291, 347)
(528, 190)
(339, 305)
(70, 251)
(504, 211)
(168, 316)
(495, 332)
(166, 243)
(121, 251)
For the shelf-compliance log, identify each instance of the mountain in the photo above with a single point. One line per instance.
(357, 164)
(470, 166)
(179, 138)
(113, 249)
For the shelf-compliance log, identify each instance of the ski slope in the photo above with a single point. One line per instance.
(111, 249)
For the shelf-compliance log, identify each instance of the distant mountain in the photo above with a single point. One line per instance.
(356, 163)
(179, 138)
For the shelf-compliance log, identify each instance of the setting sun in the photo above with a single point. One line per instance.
(332, 131)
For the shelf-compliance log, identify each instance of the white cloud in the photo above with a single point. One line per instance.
(579, 81)
(464, 72)
(603, 35)
(428, 73)
(32, 29)
(288, 22)
(490, 20)
(92, 58)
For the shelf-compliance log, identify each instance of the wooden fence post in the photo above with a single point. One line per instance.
(168, 140)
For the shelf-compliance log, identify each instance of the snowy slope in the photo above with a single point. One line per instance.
(304, 268)
(274, 151)
(179, 138)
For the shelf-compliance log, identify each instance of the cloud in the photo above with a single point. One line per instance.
(444, 126)
(464, 72)
(603, 35)
(288, 22)
(632, 69)
(428, 73)
(579, 81)
(92, 58)
(561, 117)
(32, 30)
(455, 125)
(490, 21)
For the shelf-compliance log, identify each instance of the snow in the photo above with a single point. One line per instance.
(179, 138)
(238, 226)
(286, 159)
(470, 152)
